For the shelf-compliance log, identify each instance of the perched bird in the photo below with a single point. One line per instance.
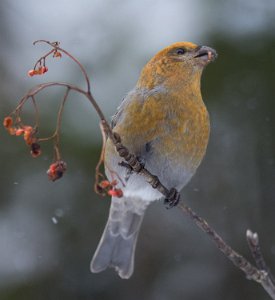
(164, 122)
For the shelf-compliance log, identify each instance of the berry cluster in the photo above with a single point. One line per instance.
(56, 170)
(109, 188)
(40, 68)
(28, 133)
(16, 127)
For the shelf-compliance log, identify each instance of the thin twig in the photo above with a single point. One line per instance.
(42, 59)
(237, 259)
(253, 243)
(98, 174)
(59, 116)
(55, 45)
(255, 249)
(36, 112)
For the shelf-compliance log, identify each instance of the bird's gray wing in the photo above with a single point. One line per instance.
(117, 115)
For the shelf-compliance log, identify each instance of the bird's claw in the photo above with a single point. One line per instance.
(125, 165)
(141, 160)
(130, 169)
(128, 166)
(172, 199)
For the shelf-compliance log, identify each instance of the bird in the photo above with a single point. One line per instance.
(165, 123)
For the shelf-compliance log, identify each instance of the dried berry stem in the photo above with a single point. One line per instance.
(42, 60)
(98, 174)
(55, 45)
(59, 116)
(36, 112)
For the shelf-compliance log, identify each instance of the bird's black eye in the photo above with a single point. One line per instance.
(180, 51)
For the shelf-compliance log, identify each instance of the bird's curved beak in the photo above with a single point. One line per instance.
(205, 54)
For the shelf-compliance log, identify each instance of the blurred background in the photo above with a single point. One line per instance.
(49, 231)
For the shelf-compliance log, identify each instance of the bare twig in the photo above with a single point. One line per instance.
(237, 259)
(55, 45)
(59, 116)
(254, 245)
(98, 174)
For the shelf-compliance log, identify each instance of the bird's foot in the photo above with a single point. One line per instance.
(125, 165)
(141, 160)
(172, 199)
(129, 167)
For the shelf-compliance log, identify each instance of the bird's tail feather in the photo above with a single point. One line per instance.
(117, 245)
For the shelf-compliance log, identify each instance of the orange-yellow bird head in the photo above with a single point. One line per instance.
(177, 63)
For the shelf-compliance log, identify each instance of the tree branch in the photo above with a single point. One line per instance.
(253, 242)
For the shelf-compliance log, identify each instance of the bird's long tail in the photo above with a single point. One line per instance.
(118, 242)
